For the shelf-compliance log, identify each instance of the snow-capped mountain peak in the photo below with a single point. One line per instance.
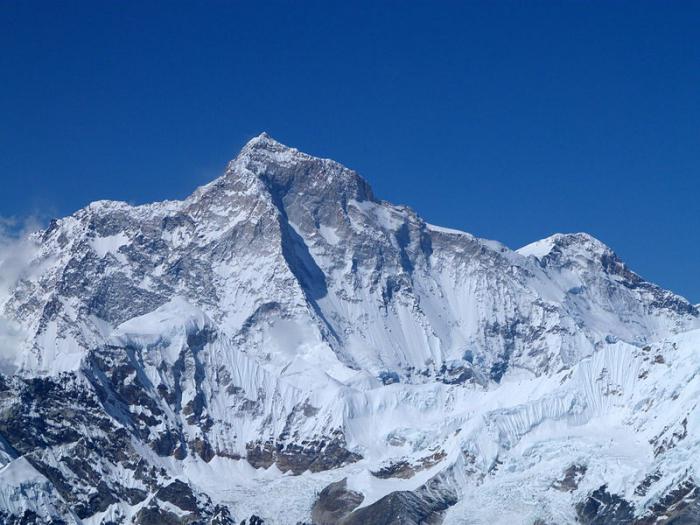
(289, 173)
(283, 330)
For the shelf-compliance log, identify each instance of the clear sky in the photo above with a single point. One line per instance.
(511, 120)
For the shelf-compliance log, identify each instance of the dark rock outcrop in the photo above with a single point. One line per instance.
(334, 503)
(315, 456)
(603, 508)
(401, 508)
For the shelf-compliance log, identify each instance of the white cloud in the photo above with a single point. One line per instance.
(17, 250)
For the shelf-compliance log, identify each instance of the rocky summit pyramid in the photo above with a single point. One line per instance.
(284, 347)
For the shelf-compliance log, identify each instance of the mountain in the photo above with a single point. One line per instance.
(284, 347)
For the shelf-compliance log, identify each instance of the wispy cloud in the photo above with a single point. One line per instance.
(17, 251)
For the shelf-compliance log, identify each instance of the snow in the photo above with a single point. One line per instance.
(329, 234)
(110, 244)
(175, 317)
(167, 328)
(23, 488)
(442, 229)
(538, 248)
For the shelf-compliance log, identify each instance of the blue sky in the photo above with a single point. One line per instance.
(511, 120)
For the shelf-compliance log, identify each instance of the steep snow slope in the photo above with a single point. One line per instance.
(282, 329)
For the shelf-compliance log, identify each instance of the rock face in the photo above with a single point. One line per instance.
(335, 503)
(398, 508)
(284, 347)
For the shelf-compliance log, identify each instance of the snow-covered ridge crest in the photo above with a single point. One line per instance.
(283, 329)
